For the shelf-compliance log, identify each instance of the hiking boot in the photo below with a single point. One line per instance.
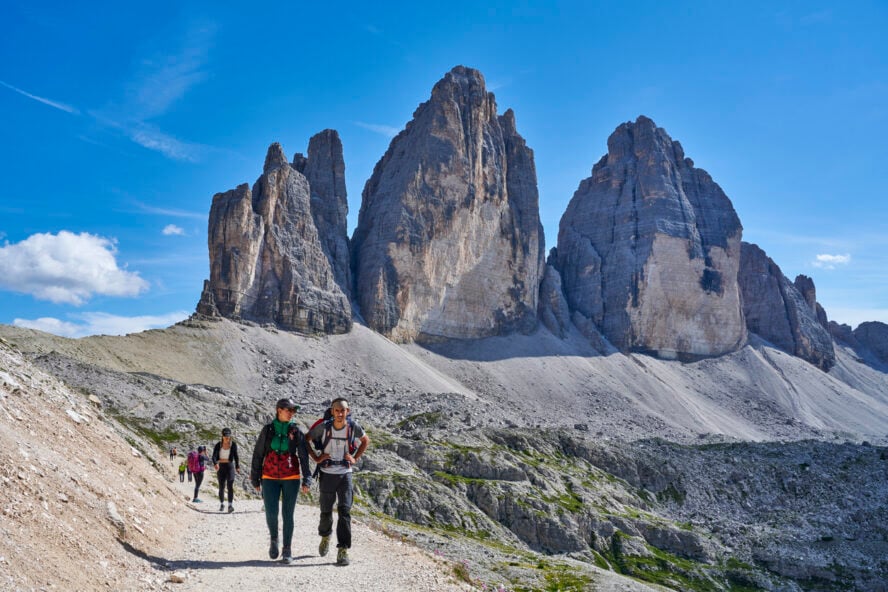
(273, 550)
(288, 556)
(230, 508)
(324, 546)
(221, 507)
(196, 501)
(342, 556)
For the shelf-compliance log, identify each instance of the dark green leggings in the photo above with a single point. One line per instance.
(274, 492)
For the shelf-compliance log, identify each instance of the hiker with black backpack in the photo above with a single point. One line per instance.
(279, 466)
(338, 443)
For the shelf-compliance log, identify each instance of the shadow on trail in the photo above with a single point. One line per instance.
(176, 564)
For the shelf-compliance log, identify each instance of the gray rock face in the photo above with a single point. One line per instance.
(649, 249)
(554, 312)
(325, 170)
(776, 310)
(873, 335)
(267, 263)
(449, 242)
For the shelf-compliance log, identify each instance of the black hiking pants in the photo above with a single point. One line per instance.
(198, 479)
(225, 474)
(336, 488)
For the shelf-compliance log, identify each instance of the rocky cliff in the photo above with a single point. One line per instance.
(784, 313)
(267, 257)
(325, 170)
(649, 249)
(448, 242)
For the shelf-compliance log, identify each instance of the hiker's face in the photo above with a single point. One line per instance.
(339, 413)
(285, 414)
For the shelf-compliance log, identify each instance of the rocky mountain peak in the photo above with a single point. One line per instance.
(648, 250)
(448, 242)
(268, 261)
(274, 158)
(784, 313)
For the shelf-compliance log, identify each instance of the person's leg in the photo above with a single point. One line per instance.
(222, 475)
(290, 490)
(344, 494)
(271, 495)
(230, 486)
(327, 487)
(198, 479)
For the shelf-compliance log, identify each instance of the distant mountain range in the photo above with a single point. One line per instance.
(449, 245)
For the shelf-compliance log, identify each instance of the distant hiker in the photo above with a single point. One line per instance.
(339, 442)
(226, 463)
(280, 462)
(172, 453)
(187, 462)
(183, 466)
(197, 464)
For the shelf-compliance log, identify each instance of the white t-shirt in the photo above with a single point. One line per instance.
(337, 447)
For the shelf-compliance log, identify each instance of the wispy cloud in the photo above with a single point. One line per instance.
(66, 268)
(165, 77)
(148, 209)
(159, 82)
(172, 229)
(153, 139)
(826, 261)
(101, 323)
(385, 130)
(54, 104)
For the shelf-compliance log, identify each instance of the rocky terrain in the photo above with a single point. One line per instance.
(744, 470)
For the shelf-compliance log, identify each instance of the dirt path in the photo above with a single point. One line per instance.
(230, 552)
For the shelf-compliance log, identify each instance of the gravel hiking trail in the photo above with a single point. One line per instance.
(223, 551)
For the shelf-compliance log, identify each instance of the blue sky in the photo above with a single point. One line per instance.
(120, 122)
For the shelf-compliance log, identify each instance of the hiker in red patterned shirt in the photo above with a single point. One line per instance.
(279, 467)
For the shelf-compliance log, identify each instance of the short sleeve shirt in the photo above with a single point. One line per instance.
(337, 446)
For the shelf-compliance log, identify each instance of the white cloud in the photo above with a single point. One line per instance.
(171, 229)
(831, 261)
(66, 268)
(53, 104)
(385, 130)
(101, 323)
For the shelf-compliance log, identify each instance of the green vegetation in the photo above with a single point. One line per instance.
(426, 419)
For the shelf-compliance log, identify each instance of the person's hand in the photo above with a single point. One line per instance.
(258, 488)
(323, 457)
(348, 457)
(216, 466)
(305, 489)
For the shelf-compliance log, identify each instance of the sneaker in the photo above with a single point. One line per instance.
(230, 508)
(288, 556)
(273, 550)
(196, 501)
(342, 556)
(221, 507)
(324, 546)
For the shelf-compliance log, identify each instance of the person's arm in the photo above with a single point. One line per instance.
(234, 457)
(302, 444)
(216, 455)
(258, 458)
(364, 443)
